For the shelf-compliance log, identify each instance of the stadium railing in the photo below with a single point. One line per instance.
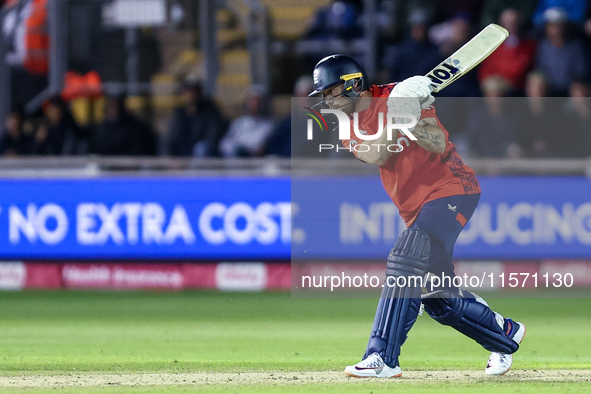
(95, 166)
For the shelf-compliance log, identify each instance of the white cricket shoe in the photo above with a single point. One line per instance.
(500, 363)
(373, 367)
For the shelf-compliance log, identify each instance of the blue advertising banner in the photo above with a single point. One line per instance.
(517, 218)
(145, 219)
(348, 218)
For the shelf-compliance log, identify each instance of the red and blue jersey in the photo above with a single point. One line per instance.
(415, 176)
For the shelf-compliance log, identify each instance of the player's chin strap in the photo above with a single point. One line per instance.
(352, 96)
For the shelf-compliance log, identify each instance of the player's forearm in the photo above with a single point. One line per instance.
(377, 150)
(430, 136)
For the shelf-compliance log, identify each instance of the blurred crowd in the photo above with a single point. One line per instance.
(533, 90)
(57, 133)
(196, 129)
(528, 99)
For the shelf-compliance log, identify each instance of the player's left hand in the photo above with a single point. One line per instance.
(418, 87)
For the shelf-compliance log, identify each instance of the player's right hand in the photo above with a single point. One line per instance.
(398, 105)
(418, 86)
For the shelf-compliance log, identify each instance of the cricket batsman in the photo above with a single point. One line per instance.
(436, 194)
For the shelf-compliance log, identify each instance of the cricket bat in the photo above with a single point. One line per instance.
(467, 57)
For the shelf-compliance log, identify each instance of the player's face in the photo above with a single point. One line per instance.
(333, 97)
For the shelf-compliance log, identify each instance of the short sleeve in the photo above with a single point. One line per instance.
(429, 112)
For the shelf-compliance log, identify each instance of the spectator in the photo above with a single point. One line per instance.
(492, 10)
(538, 118)
(197, 128)
(574, 10)
(450, 36)
(176, 15)
(515, 57)
(490, 128)
(58, 133)
(121, 133)
(575, 134)
(387, 20)
(336, 20)
(416, 55)
(247, 134)
(558, 57)
(14, 141)
(446, 9)
(279, 142)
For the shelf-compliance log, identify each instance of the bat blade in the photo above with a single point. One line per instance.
(467, 57)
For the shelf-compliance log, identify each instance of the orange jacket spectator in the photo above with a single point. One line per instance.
(37, 39)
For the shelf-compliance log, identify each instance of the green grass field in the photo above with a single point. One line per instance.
(45, 335)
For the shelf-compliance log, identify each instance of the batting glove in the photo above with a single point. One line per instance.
(411, 96)
(418, 87)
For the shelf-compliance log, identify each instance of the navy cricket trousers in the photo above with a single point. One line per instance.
(443, 219)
